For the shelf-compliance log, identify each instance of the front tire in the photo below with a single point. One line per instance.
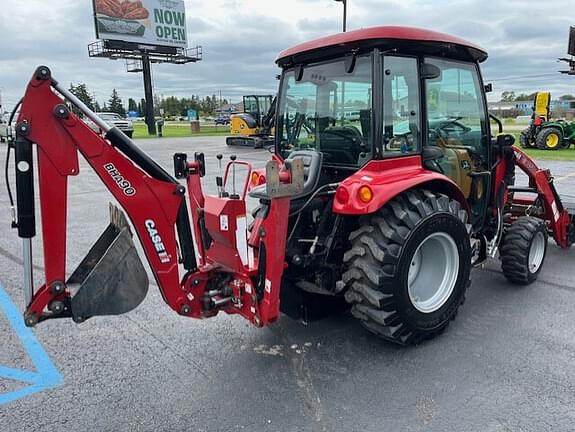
(409, 265)
(524, 140)
(523, 250)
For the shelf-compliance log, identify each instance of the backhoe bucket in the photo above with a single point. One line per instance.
(111, 279)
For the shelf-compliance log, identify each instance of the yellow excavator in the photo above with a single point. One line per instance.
(254, 126)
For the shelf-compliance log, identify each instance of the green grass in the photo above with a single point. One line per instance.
(176, 130)
(561, 154)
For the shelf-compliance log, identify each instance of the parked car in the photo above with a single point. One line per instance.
(222, 120)
(4, 129)
(114, 120)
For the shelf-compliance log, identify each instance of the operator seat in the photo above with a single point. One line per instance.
(341, 144)
(312, 162)
(456, 164)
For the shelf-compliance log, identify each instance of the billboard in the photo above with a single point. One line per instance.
(153, 22)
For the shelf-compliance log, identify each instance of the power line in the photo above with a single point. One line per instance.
(522, 77)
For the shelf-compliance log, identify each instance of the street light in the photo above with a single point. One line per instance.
(344, 11)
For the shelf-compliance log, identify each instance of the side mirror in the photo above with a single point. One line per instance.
(488, 88)
(504, 143)
(431, 153)
(298, 72)
(429, 71)
(505, 140)
(349, 62)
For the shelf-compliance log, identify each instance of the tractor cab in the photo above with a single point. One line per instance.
(384, 94)
(257, 106)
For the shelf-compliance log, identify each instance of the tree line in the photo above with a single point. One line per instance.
(172, 106)
(510, 96)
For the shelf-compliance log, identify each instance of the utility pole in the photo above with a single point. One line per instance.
(344, 13)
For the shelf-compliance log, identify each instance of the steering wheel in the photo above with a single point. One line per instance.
(339, 134)
(402, 141)
(444, 128)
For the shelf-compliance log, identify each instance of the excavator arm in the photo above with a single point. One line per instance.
(202, 264)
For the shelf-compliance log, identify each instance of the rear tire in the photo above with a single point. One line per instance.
(549, 139)
(409, 266)
(523, 250)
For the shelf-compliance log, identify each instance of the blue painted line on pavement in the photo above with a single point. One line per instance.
(46, 375)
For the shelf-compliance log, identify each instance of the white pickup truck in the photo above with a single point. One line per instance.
(114, 120)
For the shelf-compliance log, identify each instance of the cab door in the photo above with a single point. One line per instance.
(457, 123)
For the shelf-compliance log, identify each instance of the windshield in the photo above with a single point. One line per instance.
(328, 110)
(110, 117)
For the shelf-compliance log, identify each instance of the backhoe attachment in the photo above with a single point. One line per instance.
(198, 247)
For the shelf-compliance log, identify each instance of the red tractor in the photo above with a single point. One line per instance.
(386, 187)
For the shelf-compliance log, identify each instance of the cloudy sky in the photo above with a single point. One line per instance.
(241, 38)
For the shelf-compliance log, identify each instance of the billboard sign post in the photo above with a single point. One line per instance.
(142, 32)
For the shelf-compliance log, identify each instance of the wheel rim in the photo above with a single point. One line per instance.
(433, 272)
(536, 252)
(552, 140)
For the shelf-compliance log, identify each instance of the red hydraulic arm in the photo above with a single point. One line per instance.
(223, 270)
(558, 219)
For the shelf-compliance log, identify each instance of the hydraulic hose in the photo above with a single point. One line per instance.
(6, 167)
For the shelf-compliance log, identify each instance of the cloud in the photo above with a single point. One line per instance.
(241, 39)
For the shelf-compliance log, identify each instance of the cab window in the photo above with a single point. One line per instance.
(328, 109)
(401, 112)
(455, 111)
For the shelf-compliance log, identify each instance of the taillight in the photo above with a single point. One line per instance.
(257, 179)
(342, 195)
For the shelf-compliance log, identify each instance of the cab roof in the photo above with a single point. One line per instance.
(409, 40)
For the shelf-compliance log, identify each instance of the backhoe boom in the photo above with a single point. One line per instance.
(109, 280)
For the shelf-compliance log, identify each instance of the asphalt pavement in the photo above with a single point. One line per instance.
(507, 363)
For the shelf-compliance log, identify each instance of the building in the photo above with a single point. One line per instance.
(560, 109)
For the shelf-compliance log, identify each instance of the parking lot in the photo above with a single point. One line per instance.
(507, 363)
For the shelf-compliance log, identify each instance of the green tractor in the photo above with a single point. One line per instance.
(543, 133)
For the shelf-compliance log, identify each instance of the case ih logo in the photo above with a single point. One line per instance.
(124, 184)
(157, 240)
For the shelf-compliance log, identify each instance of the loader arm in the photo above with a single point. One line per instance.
(541, 199)
(109, 280)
